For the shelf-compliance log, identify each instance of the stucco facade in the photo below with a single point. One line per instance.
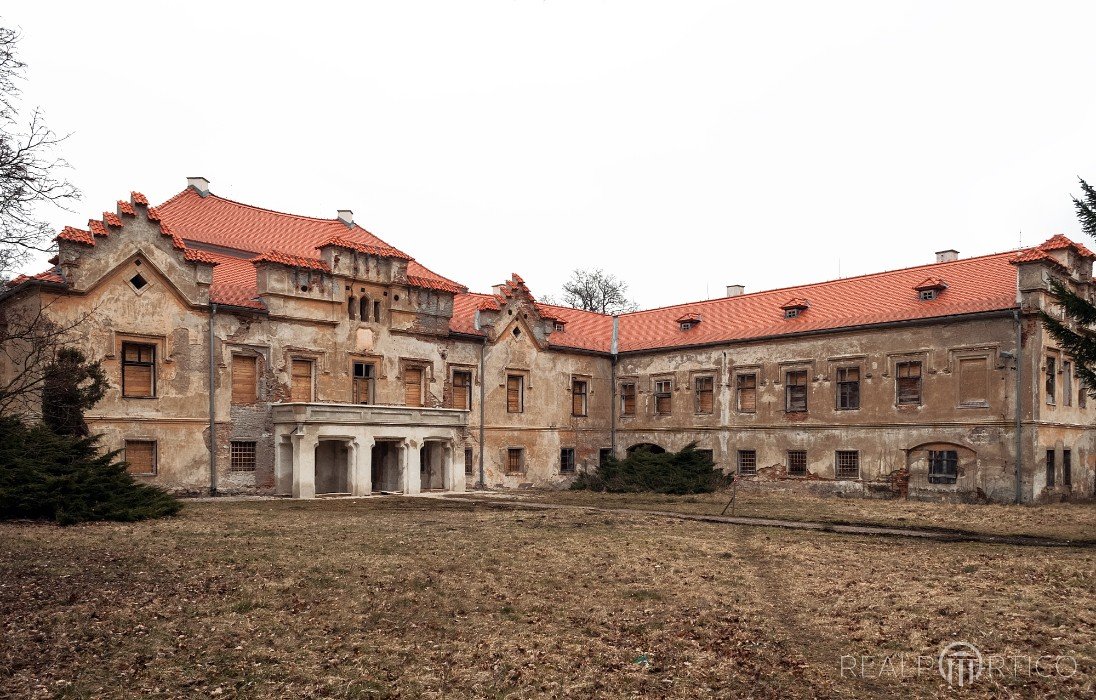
(353, 369)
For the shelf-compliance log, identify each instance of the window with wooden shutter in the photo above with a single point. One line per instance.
(746, 390)
(515, 460)
(244, 379)
(578, 397)
(515, 401)
(365, 378)
(628, 399)
(140, 456)
(138, 370)
(462, 391)
(705, 394)
(300, 387)
(973, 381)
(663, 397)
(795, 391)
(908, 383)
(412, 386)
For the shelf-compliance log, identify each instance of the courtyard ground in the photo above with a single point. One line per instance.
(421, 597)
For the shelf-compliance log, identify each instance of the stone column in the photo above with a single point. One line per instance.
(412, 481)
(304, 466)
(362, 467)
(454, 468)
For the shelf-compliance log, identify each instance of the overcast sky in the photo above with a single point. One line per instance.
(683, 146)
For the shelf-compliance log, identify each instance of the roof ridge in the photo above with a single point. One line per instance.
(866, 275)
(272, 211)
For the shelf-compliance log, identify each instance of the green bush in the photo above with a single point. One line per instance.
(687, 471)
(66, 478)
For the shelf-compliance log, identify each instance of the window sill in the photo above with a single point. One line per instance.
(145, 398)
(973, 405)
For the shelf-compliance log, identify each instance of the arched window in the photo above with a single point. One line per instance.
(364, 309)
(351, 307)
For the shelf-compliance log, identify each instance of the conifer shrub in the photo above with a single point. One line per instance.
(65, 478)
(684, 472)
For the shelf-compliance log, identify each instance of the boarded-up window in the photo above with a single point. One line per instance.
(746, 391)
(848, 388)
(515, 388)
(973, 381)
(847, 464)
(300, 386)
(140, 456)
(242, 457)
(628, 399)
(365, 379)
(244, 380)
(578, 397)
(138, 370)
(515, 460)
(462, 390)
(412, 386)
(663, 397)
(705, 394)
(797, 462)
(795, 391)
(908, 383)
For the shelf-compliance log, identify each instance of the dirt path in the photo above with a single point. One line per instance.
(937, 534)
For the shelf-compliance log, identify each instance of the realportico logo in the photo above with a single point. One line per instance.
(959, 663)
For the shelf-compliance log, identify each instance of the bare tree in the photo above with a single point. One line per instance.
(30, 167)
(597, 290)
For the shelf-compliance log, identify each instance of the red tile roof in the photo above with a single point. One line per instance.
(1035, 255)
(290, 260)
(931, 283)
(1059, 241)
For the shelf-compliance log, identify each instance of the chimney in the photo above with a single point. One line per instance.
(736, 290)
(347, 217)
(498, 288)
(948, 255)
(200, 185)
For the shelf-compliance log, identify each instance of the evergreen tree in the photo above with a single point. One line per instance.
(1079, 314)
(687, 471)
(71, 386)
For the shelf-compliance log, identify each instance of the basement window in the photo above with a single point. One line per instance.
(797, 462)
(747, 462)
(847, 464)
(242, 456)
(515, 460)
(140, 457)
(943, 466)
(567, 460)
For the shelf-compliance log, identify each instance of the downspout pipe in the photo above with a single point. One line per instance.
(1019, 416)
(212, 405)
(482, 484)
(614, 349)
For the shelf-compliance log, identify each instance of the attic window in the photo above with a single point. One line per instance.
(560, 326)
(927, 294)
(686, 325)
(794, 307)
(791, 313)
(138, 282)
(930, 288)
(688, 321)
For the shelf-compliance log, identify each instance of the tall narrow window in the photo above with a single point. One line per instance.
(245, 384)
(1067, 468)
(351, 308)
(705, 394)
(746, 392)
(848, 388)
(515, 460)
(376, 311)
(300, 385)
(943, 466)
(847, 464)
(1082, 393)
(797, 462)
(1050, 469)
(1052, 379)
(567, 460)
(140, 456)
(515, 393)
(578, 397)
(468, 461)
(364, 306)
(138, 370)
(795, 391)
(908, 383)
(462, 390)
(365, 382)
(974, 381)
(663, 396)
(1067, 383)
(747, 462)
(628, 399)
(412, 386)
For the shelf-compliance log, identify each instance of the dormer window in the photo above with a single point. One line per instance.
(560, 326)
(688, 321)
(930, 288)
(794, 307)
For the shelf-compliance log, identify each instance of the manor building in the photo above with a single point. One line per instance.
(250, 350)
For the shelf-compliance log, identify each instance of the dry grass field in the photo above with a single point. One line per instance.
(417, 597)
